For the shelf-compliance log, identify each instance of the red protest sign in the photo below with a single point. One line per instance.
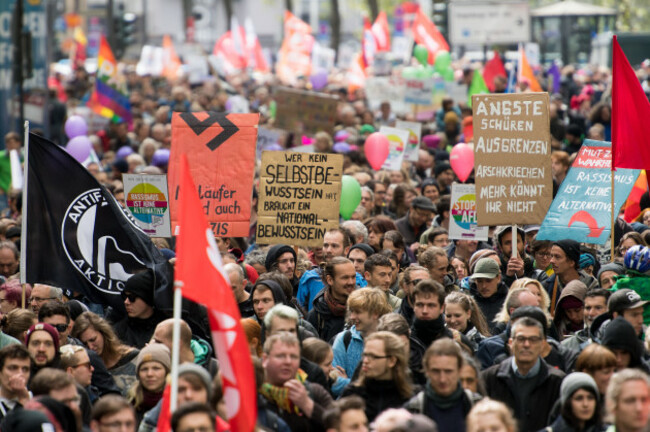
(220, 149)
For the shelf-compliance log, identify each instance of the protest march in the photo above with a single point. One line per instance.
(414, 240)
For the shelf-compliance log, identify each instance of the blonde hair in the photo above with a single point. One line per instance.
(394, 347)
(524, 282)
(490, 406)
(371, 300)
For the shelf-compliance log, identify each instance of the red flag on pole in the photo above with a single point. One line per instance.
(381, 32)
(493, 68)
(165, 418)
(630, 114)
(426, 33)
(199, 269)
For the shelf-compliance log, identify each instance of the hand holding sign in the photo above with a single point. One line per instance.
(376, 149)
(350, 196)
(461, 159)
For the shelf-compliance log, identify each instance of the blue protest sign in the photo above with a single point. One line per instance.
(581, 211)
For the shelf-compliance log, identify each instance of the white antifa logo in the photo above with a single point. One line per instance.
(633, 296)
(224, 338)
(94, 253)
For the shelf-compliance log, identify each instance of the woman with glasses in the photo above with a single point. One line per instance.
(383, 382)
(98, 335)
(628, 240)
(541, 250)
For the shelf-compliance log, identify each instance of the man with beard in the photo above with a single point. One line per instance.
(328, 313)
(42, 341)
(283, 258)
(513, 268)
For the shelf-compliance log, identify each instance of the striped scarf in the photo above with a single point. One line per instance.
(280, 395)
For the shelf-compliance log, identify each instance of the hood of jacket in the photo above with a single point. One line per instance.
(620, 334)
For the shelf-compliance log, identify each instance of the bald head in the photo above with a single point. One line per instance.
(165, 330)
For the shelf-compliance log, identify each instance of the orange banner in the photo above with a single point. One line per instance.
(220, 150)
(295, 54)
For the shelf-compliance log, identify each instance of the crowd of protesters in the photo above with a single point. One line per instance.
(390, 325)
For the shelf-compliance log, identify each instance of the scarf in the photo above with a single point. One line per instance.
(149, 399)
(337, 309)
(429, 330)
(444, 402)
(280, 395)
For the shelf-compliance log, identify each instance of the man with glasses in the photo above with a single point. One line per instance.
(42, 293)
(416, 221)
(137, 328)
(524, 381)
(113, 413)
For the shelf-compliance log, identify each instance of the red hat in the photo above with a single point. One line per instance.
(47, 328)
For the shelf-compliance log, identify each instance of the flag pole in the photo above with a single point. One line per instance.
(613, 218)
(176, 344)
(23, 229)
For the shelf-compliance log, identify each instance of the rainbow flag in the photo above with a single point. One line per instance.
(107, 99)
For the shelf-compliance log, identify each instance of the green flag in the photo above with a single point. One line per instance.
(477, 86)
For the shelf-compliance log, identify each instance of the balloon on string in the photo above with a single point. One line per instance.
(350, 196)
(75, 126)
(421, 54)
(79, 148)
(376, 149)
(123, 152)
(443, 61)
(160, 158)
(341, 147)
(461, 159)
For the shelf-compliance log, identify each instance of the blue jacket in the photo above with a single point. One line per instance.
(348, 358)
(311, 284)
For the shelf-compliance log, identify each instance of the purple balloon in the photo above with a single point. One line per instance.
(274, 147)
(341, 147)
(79, 148)
(123, 152)
(341, 135)
(160, 158)
(75, 126)
(318, 80)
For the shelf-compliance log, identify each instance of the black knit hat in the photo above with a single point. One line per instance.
(365, 247)
(571, 248)
(276, 252)
(141, 285)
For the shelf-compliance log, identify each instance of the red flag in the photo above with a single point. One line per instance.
(426, 33)
(381, 32)
(199, 269)
(493, 68)
(630, 114)
(165, 417)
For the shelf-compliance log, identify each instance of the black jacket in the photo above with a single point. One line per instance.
(137, 332)
(324, 321)
(500, 384)
(378, 395)
(490, 306)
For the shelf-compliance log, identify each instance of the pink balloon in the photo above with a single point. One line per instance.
(461, 159)
(376, 149)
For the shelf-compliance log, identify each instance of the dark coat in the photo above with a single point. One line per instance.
(490, 306)
(378, 395)
(500, 384)
(326, 324)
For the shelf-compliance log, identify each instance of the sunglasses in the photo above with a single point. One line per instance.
(129, 296)
(416, 281)
(60, 327)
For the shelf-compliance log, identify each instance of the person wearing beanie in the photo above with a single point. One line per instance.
(283, 258)
(358, 254)
(569, 314)
(138, 326)
(152, 366)
(521, 266)
(565, 259)
(579, 405)
(608, 273)
(42, 341)
(621, 339)
(194, 385)
(444, 176)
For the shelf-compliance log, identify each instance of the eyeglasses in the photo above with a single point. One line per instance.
(416, 281)
(130, 297)
(373, 357)
(86, 365)
(543, 254)
(60, 327)
(117, 425)
(40, 299)
(523, 339)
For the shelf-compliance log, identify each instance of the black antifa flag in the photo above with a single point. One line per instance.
(78, 237)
